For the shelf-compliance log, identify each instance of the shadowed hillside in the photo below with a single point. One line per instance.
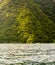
(48, 7)
(23, 21)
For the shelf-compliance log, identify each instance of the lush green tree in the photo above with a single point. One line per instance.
(29, 29)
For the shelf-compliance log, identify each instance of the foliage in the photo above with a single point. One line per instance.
(48, 7)
(23, 21)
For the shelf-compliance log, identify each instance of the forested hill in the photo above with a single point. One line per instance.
(25, 22)
(48, 7)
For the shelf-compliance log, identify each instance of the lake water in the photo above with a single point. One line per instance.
(27, 54)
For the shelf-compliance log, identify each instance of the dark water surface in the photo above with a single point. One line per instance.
(27, 54)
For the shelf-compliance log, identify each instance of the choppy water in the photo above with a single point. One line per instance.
(27, 54)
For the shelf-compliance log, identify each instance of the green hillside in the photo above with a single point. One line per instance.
(48, 7)
(23, 21)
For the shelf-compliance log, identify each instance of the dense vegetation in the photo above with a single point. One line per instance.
(23, 21)
(48, 7)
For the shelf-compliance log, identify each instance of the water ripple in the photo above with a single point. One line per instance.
(27, 54)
